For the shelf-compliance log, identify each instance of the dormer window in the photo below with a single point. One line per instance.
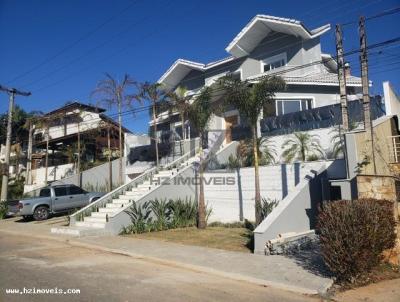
(274, 62)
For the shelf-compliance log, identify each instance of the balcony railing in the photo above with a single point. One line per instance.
(394, 143)
(321, 117)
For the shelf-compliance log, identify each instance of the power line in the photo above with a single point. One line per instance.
(387, 12)
(76, 42)
(90, 51)
(352, 52)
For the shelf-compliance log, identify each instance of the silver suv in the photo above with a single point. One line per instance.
(55, 199)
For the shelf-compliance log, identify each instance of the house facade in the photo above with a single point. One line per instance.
(267, 45)
(57, 134)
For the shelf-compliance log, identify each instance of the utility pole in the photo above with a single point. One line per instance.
(365, 89)
(11, 92)
(109, 158)
(342, 78)
(29, 163)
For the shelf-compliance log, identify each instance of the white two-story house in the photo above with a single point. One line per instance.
(266, 45)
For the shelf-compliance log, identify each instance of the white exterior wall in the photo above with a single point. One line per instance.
(392, 101)
(324, 135)
(53, 173)
(90, 120)
(224, 199)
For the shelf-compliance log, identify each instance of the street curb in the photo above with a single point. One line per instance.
(196, 268)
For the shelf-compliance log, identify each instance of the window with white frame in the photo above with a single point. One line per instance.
(285, 106)
(274, 62)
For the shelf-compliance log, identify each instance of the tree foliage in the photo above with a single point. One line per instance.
(302, 146)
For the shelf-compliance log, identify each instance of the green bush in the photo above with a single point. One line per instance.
(158, 215)
(353, 235)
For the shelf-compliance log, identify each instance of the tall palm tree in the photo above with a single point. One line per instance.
(179, 102)
(115, 93)
(199, 116)
(250, 99)
(301, 146)
(156, 95)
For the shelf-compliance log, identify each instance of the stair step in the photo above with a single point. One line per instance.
(115, 205)
(99, 214)
(108, 210)
(95, 219)
(124, 197)
(85, 224)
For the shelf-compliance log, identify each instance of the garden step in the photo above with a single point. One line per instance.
(109, 210)
(125, 197)
(95, 219)
(116, 205)
(99, 214)
(121, 201)
(98, 225)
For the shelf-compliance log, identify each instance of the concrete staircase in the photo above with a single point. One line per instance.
(94, 218)
(100, 218)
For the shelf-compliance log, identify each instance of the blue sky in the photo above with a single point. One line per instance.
(143, 38)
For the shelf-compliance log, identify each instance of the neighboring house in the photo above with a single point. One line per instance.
(64, 127)
(264, 46)
(17, 159)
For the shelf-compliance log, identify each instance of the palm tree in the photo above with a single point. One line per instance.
(199, 116)
(115, 93)
(156, 95)
(337, 139)
(178, 102)
(265, 149)
(302, 146)
(250, 99)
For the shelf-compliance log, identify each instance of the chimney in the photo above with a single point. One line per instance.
(347, 69)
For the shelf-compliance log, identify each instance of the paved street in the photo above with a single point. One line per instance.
(40, 263)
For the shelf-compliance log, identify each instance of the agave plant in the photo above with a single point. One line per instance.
(183, 212)
(140, 218)
(162, 213)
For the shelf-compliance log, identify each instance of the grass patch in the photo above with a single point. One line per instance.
(237, 239)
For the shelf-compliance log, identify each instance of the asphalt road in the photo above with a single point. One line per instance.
(44, 264)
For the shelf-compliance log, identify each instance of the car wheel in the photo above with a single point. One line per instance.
(41, 213)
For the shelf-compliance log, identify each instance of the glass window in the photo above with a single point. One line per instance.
(74, 190)
(289, 106)
(60, 191)
(44, 192)
(274, 64)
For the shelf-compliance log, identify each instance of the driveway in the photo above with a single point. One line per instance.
(27, 262)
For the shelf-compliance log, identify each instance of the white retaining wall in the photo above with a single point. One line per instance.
(226, 198)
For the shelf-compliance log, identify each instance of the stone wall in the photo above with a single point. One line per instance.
(375, 186)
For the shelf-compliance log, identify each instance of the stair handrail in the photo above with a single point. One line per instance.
(107, 198)
(102, 201)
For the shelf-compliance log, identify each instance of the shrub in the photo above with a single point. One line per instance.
(161, 212)
(166, 214)
(183, 213)
(140, 219)
(353, 235)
